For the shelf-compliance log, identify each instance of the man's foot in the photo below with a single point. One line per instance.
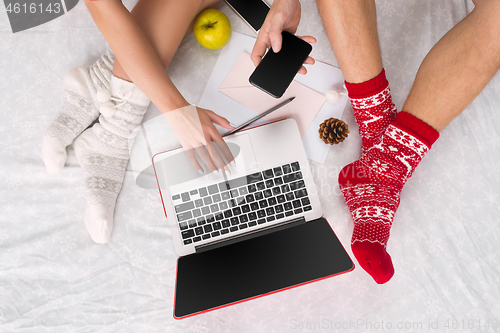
(372, 186)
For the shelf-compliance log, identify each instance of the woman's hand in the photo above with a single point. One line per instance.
(194, 127)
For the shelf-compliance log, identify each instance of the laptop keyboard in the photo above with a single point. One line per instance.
(241, 203)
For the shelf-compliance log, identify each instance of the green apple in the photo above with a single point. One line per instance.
(212, 29)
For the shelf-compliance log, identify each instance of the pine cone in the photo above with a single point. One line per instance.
(333, 131)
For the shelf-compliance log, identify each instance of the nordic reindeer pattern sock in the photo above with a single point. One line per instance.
(373, 108)
(78, 111)
(372, 186)
(103, 153)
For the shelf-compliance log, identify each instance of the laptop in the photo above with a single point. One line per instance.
(250, 233)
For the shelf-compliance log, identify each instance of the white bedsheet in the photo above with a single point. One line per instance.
(53, 278)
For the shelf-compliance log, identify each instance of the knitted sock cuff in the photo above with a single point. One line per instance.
(367, 88)
(416, 127)
(135, 95)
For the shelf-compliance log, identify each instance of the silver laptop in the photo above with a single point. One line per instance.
(269, 187)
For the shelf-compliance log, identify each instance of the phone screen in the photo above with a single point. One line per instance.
(276, 70)
(254, 12)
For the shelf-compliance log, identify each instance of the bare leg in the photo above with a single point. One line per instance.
(165, 23)
(454, 72)
(457, 68)
(351, 27)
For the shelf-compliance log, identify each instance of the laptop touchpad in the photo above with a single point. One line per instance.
(175, 168)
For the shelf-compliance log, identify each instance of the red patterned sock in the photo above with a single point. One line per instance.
(373, 108)
(372, 186)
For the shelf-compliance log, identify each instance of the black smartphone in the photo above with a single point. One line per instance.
(253, 12)
(276, 70)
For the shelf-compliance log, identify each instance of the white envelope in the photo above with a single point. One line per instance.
(303, 108)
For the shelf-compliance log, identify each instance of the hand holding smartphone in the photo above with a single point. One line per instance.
(276, 70)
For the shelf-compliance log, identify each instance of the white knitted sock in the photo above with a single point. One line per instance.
(78, 111)
(103, 153)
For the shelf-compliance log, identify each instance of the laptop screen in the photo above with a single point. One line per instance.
(258, 266)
